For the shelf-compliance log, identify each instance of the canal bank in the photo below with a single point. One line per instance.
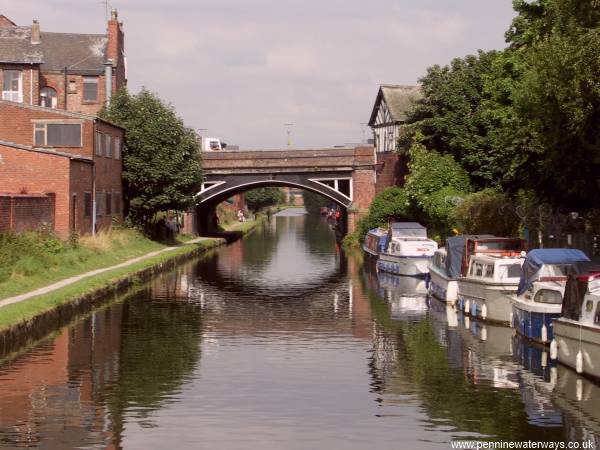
(30, 316)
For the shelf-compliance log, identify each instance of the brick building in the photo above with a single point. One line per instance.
(61, 70)
(69, 160)
(58, 162)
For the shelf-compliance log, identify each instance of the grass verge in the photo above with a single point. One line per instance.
(14, 314)
(33, 260)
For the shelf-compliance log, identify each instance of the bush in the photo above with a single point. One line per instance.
(393, 202)
(487, 211)
(432, 172)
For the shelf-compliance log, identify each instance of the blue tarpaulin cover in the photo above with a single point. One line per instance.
(455, 247)
(537, 258)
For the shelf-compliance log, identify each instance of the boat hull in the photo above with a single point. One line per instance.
(442, 288)
(474, 295)
(572, 337)
(529, 319)
(399, 265)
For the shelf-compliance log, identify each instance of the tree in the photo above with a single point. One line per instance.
(259, 198)
(558, 101)
(161, 157)
(313, 202)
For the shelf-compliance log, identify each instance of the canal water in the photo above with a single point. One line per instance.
(281, 341)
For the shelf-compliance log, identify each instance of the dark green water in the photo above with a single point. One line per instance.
(280, 341)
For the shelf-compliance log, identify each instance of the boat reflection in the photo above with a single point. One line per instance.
(405, 296)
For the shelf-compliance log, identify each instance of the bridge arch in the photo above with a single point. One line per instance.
(224, 190)
(347, 176)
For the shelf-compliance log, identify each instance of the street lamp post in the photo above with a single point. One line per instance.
(288, 129)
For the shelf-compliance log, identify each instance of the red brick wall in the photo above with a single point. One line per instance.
(391, 171)
(363, 184)
(31, 81)
(5, 212)
(80, 182)
(75, 103)
(108, 175)
(30, 212)
(17, 126)
(23, 171)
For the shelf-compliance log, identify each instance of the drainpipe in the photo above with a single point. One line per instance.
(108, 80)
(94, 179)
(65, 87)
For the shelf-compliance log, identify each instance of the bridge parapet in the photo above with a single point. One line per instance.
(288, 160)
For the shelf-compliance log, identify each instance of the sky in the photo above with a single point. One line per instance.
(241, 69)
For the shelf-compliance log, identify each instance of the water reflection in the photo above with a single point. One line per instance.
(281, 341)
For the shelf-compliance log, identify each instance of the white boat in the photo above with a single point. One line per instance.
(408, 250)
(446, 264)
(486, 290)
(541, 289)
(577, 333)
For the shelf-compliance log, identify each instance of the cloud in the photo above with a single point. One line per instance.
(244, 68)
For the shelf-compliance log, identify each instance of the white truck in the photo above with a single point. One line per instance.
(211, 144)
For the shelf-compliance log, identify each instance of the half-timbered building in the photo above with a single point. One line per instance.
(389, 114)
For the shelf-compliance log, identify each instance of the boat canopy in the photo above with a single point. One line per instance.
(455, 249)
(407, 229)
(537, 258)
(576, 288)
(380, 237)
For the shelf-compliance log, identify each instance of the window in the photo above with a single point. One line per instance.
(48, 97)
(98, 144)
(72, 86)
(57, 134)
(12, 86)
(99, 203)
(117, 148)
(489, 270)
(90, 89)
(87, 204)
(108, 145)
(478, 269)
(118, 203)
(108, 204)
(548, 296)
(597, 317)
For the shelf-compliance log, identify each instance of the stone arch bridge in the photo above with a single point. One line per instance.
(347, 176)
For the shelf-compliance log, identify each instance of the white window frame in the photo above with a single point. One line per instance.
(88, 80)
(13, 96)
(108, 145)
(53, 100)
(98, 149)
(118, 148)
(42, 125)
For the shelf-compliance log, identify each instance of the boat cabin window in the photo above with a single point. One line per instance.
(508, 245)
(548, 296)
(553, 270)
(478, 269)
(510, 270)
(597, 316)
(489, 270)
(589, 306)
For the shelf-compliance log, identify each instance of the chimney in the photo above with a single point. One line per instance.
(35, 32)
